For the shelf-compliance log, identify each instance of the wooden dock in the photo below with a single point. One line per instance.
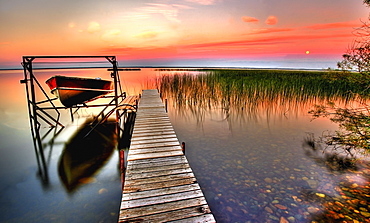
(159, 183)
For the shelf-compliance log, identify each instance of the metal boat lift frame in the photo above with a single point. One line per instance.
(37, 108)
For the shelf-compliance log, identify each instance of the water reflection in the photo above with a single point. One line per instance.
(244, 143)
(352, 190)
(30, 196)
(83, 156)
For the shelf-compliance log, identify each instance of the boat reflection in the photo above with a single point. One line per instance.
(85, 154)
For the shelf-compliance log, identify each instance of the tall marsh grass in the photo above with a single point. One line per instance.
(268, 89)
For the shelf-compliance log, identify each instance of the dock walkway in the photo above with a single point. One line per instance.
(159, 183)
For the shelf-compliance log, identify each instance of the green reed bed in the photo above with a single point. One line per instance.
(250, 88)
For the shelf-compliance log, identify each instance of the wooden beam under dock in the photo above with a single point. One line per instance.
(159, 183)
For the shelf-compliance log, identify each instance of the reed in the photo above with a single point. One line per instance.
(249, 89)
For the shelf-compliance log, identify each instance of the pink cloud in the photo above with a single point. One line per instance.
(203, 2)
(249, 19)
(333, 25)
(270, 30)
(271, 20)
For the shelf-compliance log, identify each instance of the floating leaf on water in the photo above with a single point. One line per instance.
(87, 180)
(268, 180)
(320, 195)
(283, 220)
(103, 190)
(269, 210)
(282, 207)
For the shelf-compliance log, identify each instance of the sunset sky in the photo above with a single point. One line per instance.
(254, 33)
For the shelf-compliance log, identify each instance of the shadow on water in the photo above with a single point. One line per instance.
(84, 155)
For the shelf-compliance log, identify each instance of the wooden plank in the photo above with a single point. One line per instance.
(203, 218)
(160, 173)
(162, 199)
(150, 133)
(161, 178)
(159, 192)
(147, 169)
(154, 144)
(174, 215)
(154, 150)
(153, 119)
(145, 164)
(158, 185)
(155, 128)
(160, 208)
(154, 155)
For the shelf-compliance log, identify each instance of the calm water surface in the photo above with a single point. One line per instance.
(252, 166)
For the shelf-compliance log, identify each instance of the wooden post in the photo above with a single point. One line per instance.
(122, 166)
(183, 147)
(165, 104)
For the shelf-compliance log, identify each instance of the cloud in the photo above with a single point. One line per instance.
(147, 35)
(111, 35)
(203, 2)
(333, 25)
(93, 27)
(71, 25)
(271, 20)
(270, 30)
(170, 12)
(249, 19)
(266, 40)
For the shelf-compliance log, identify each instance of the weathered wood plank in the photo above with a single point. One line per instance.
(158, 185)
(160, 208)
(147, 163)
(174, 215)
(161, 161)
(159, 192)
(154, 150)
(154, 145)
(151, 168)
(150, 143)
(160, 179)
(153, 155)
(152, 119)
(146, 175)
(155, 128)
(203, 219)
(157, 136)
(162, 199)
(151, 133)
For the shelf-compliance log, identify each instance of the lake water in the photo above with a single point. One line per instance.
(251, 165)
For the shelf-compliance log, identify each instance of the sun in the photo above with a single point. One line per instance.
(307, 52)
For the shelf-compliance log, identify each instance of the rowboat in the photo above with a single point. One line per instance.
(75, 90)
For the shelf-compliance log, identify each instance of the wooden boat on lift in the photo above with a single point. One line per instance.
(75, 90)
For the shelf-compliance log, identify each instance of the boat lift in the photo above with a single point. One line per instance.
(39, 107)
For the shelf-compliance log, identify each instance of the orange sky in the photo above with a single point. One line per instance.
(188, 32)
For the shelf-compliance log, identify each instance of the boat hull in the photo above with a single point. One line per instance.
(73, 90)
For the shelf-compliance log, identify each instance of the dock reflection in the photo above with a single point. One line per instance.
(84, 155)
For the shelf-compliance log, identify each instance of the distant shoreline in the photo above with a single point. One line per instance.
(169, 68)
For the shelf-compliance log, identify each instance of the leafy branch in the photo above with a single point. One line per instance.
(354, 128)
